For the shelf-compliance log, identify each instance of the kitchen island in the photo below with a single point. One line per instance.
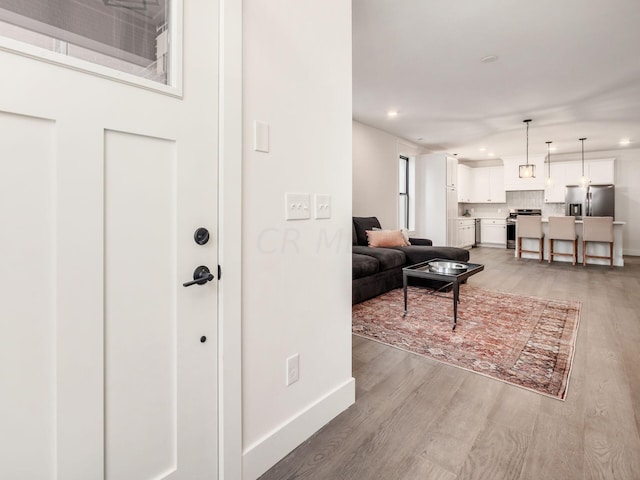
(565, 246)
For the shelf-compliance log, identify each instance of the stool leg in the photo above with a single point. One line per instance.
(550, 249)
(611, 253)
(519, 247)
(575, 251)
(584, 253)
(541, 248)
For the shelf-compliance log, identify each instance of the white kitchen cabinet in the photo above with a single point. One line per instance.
(554, 193)
(601, 171)
(465, 184)
(512, 180)
(452, 171)
(466, 233)
(497, 192)
(488, 185)
(569, 173)
(572, 173)
(480, 185)
(493, 231)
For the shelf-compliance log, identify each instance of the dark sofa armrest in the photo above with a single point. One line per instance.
(420, 241)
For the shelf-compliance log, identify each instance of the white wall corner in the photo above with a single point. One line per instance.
(274, 446)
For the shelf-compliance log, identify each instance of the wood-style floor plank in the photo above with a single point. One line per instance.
(417, 419)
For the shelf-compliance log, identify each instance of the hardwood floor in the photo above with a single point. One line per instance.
(415, 418)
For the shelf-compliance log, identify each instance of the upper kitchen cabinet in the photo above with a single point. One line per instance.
(600, 171)
(512, 180)
(488, 185)
(465, 184)
(569, 173)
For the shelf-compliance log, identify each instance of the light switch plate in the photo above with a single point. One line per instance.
(323, 206)
(261, 137)
(293, 369)
(297, 206)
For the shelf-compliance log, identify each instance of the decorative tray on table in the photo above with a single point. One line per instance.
(449, 268)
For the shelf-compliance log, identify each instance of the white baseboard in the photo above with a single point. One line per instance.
(631, 252)
(265, 453)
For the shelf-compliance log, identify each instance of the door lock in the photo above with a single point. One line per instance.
(201, 236)
(201, 275)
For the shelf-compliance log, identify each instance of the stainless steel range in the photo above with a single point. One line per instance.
(511, 222)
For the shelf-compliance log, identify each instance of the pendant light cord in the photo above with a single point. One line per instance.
(549, 159)
(527, 122)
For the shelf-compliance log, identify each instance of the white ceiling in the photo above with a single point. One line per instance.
(572, 66)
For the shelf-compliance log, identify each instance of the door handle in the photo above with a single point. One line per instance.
(201, 275)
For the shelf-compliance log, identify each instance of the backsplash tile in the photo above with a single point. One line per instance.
(515, 200)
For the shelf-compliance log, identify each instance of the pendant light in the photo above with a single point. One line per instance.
(549, 182)
(528, 170)
(583, 179)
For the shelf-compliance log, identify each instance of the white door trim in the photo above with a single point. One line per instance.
(230, 242)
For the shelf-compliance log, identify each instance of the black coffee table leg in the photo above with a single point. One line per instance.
(456, 294)
(404, 284)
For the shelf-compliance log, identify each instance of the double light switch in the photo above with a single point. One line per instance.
(298, 206)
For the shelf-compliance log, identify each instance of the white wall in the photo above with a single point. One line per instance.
(627, 181)
(296, 274)
(375, 173)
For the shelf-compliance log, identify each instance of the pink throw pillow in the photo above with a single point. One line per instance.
(386, 238)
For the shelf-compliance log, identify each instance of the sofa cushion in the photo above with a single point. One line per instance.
(420, 241)
(418, 254)
(354, 236)
(386, 238)
(362, 224)
(363, 265)
(387, 257)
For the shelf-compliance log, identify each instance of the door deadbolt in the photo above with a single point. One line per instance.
(201, 236)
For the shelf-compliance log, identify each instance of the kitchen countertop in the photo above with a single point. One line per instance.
(579, 222)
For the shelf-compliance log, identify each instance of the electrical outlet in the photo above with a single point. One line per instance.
(293, 369)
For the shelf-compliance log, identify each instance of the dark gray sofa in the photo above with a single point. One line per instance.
(378, 270)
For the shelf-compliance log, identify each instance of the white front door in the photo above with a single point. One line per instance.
(108, 365)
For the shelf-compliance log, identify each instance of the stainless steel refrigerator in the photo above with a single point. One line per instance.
(590, 201)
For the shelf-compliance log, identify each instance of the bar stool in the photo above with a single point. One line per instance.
(597, 229)
(530, 226)
(563, 228)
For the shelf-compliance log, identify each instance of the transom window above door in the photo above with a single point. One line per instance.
(128, 40)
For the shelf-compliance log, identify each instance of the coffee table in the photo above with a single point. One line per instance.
(424, 270)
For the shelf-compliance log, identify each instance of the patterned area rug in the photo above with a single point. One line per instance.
(525, 341)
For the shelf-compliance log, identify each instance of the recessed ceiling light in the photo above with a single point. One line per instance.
(392, 113)
(553, 149)
(624, 142)
(491, 154)
(482, 149)
(489, 59)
